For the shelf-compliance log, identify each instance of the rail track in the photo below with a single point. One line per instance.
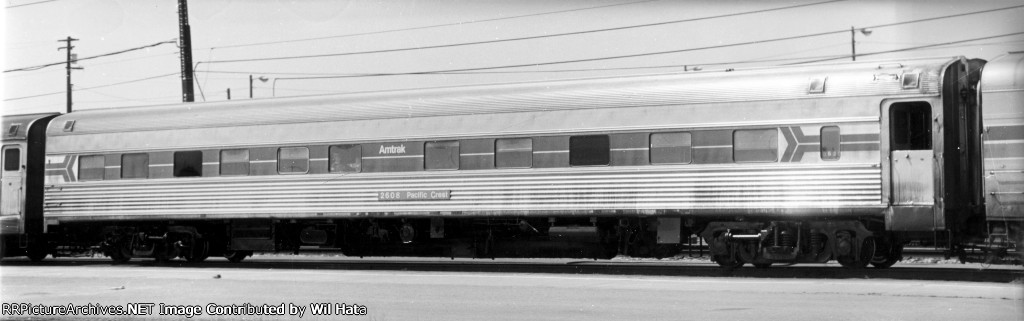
(686, 267)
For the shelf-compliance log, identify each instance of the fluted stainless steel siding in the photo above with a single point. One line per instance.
(637, 190)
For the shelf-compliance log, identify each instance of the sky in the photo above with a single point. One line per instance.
(358, 41)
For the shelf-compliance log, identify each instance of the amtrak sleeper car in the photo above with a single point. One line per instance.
(845, 161)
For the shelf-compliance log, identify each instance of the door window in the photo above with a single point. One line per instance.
(12, 159)
(910, 126)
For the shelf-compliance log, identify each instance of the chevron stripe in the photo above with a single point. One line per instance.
(65, 169)
(799, 144)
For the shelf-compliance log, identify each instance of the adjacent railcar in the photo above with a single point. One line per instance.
(21, 194)
(1001, 94)
(796, 164)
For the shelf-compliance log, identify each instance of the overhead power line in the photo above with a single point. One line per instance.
(598, 59)
(427, 27)
(814, 59)
(759, 60)
(94, 87)
(705, 64)
(151, 56)
(91, 57)
(913, 48)
(627, 27)
(525, 38)
(29, 4)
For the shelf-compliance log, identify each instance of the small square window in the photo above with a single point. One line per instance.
(91, 168)
(911, 80)
(13, 130)
(442, 155)
(293, 160)
(69, 126)
(830, 144)
(589, 150)
(345, 159)
(234, 162)
(188, 163)
(817, 85)
(513, 153)
(135, 165)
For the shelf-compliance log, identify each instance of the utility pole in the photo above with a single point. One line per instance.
(853, 44)
(185, 36)
(68, 47)
(261, 79)
(229, 93)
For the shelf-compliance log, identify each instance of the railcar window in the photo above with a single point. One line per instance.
(756, 145)
(188, 163)
(12, 159)
(513, 153)
(346, 158)
(589, 150)
(13, 130)
(135, 165)
(910, 126)
(293, 160)
(90, 168)
(442, 155)
(234, 162)
(671, 148)
(830, 145)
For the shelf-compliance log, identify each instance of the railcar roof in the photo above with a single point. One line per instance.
(775, 83)
(1005, 72)
(24, 121)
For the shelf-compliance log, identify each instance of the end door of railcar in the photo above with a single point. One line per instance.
(12, 193)
(934, 155)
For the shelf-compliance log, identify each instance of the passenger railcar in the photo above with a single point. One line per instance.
(796, 164)
(21, 215)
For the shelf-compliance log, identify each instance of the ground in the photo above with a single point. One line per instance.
(410, 295)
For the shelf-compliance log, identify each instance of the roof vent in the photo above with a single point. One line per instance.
(13, 130)
(816, 85)
(69, 126)
(911, 80)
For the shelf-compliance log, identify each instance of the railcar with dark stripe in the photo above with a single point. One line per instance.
(843, 162)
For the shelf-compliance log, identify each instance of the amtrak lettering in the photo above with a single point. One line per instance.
(395, 156)
(392, 149)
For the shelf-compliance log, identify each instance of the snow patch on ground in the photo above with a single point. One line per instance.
(678, 257)
(929, 260)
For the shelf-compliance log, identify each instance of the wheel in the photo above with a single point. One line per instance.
(867, 252)
(199, 251)
(886, 254)
(237, 256)
(164, 252)
(37, 250)
(120, 254)
(36, 254)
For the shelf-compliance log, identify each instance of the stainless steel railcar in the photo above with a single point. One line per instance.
(797, 164)
(21, 194)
